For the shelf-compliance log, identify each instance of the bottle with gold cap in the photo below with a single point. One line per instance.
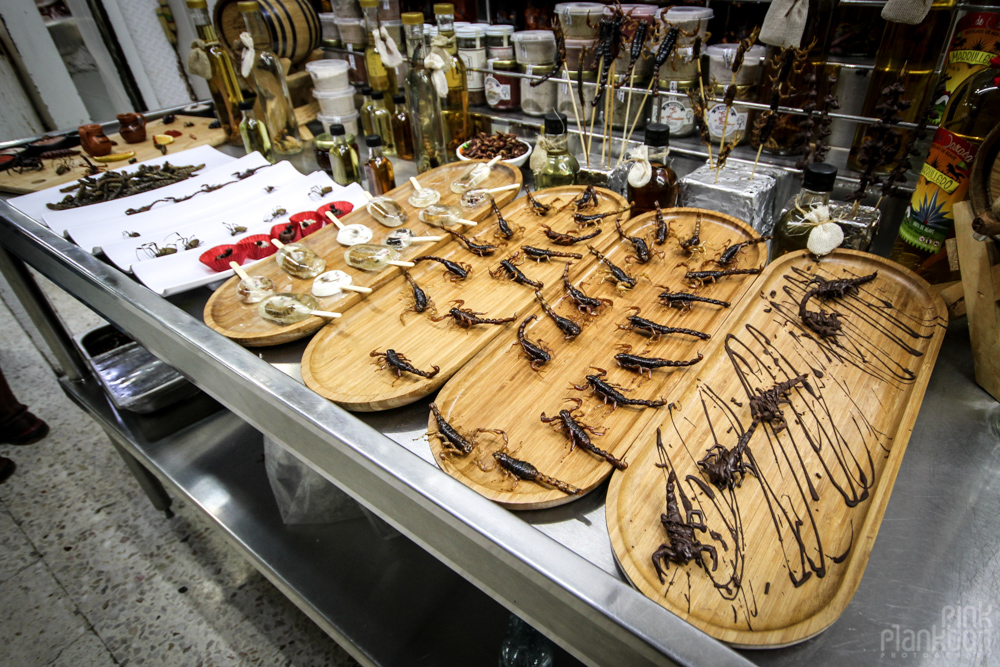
(261, 67)
(423, 101)
(454, 107)
(223, 83)
(380, 77)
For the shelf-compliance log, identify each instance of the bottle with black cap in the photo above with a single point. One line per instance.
(343, 157)
(662, 185)
(378, 169)
(253, 132)
(367, 107)
(806, 210)
(560, 167)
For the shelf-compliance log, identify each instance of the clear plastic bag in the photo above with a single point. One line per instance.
(302, 494)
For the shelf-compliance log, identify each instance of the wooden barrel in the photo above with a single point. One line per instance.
(984, 187)
(293, 24)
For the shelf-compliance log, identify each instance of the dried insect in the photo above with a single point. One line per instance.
(398, 362)
(537, 353)
(453, 442)
(653, 329)
(189, 242)
(233, 228)
(595, 218)
(508, 268)
(275, 214)
(631, 362)
(467, 318)
(585, 304)
(662, 227)
(268, 189)
(130, 235)
(566, 422)
(612, 393)
(765, 404)
(623, 281)
(699, 278)
(729, 254)
(569, 327)
(643, 253)
(454, 271)
(543, 255)
(693, 244)
(568, 239)
(685, 300)
(153, 250)
(317, 192)
(518, 470)
(556, 28)
(481, 249)
(59, 153)
(587, 199)
(827, 325)
(420, 300)
(503, 227)
(535, 206)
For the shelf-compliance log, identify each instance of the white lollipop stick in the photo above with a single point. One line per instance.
(356, 288)
(395, 262)
(416, 185)
(334, 219)
(425, 239)
(277, 244)
(492, 162)
(467, 223)
(323, 313)
(504, 188)
(368, 195)
(239, 271)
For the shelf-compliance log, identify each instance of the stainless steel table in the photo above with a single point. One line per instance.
(438, 596)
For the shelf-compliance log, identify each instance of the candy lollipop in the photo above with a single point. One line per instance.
(423, 197)
(474, 198)
(334, 282)
(473, 177)
(251, 289)
(386, 211)
(288, 308)
(350, 234)
(298, 260)
(444, 215)
(370, 257)
(404, 238)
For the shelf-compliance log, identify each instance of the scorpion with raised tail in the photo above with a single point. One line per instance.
(566, 422)
(535, 206)
(722, 465)
(421, 301)
(623, 281)
(504, 230)
(653, 329)
(568, 239)
(637, 364)
(569, 327)
(683, 546)
(765, 404)
(454, 271)
(467, 318)
(518, 470)
(612, 393)
(481, 249)
(584, 303)
(693, 244)
(643, 253)
(536, 351)
(662, 226)
(398, 362)
(508, 268)
(828, 325)
(453, 442)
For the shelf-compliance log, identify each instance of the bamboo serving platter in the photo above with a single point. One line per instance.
(499, 390)
(337, 362)
(792, 543)
(197, 135)
(240, 322)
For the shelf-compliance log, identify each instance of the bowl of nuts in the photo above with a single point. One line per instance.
(514, 151)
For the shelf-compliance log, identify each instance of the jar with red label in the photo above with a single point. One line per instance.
(502, 90)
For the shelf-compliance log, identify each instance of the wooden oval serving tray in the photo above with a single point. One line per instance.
(792, 543)
(499, 390)
(337, 362)
(226, 314)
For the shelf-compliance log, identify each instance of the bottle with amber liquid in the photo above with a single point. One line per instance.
(378, 169)
(224, 84)
(367, 107)
(402, 129)
(454, 107)
(662, 185)
(380, 77)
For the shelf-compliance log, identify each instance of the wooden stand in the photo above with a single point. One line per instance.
(981, 282)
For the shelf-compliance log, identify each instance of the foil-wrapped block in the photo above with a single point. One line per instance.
(859, 226)
(752, 200)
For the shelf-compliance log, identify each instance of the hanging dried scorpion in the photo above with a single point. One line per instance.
(421, 302)
(454, 271)
(566, 422)
(481, 249)
(568, 239)
(398, 362)
(570, 328)
(508, 268)
(585, 304)
(467, 318)
(685, 300)
(729, 254)
(643, 253)
(636, 45)
(537, 353)
(556, 29)
(683, 546)
(518, 470)
(535, 206)
(637, 364)
(453, 442)
(504, 229)
(699, 278)
(543, 255)
(825, 324)
(653, 329)
(612, 393)
(623, 281)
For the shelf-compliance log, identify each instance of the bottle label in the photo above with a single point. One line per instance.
(943, 182)
(677, 116)
(496, 92)
(474, 58)
(717, 120)
(976, 41)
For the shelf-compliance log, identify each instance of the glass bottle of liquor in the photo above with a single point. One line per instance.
(367, 107)
(224, 84)
(382, 123)
(402, 129)
(455, 107)
(907, 55)
(662, 185)
(343, 157)
(269, 83)
(928, 227)
(380, 77)
(560, 167)
(253, 132)
(425, 106)
(799, 216)
(378, 169)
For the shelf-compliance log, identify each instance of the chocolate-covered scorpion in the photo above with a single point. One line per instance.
(685, 300)
(722, 465)
(825, 324)
(543, 255)
(585, 304)
(508, 268)
(537, 352)
(570, 328)
(653, 329)
(765, 404)
(612, 393)
(576, 432)
(568, 239)
(457, 270)
(637, 364)
(466, 318)
(643, 253)
(398, 362)
(518, 470)
(481, 249)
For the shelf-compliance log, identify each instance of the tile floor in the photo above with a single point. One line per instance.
(92, 575)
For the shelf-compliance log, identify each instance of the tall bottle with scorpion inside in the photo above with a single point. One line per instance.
(380, 77)
(559, 167)
(223, 83)
(262, 68)
(425, 106)
(455, 106)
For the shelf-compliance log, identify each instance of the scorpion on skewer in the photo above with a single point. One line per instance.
(637, 364)
(585, 304)
(398, 362)
(570, 328)
(576, 431)
(453, 442)
(454, 271)
(556, 28)
(537, 353)
(421, 301)
(653, 329)
(508, 268)
(467, 318)
(643, 253)
(612, 393)
(685, 300)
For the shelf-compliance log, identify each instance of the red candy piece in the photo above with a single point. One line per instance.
(218, 258)
(287, 232)
(309, 222)
(257, 246)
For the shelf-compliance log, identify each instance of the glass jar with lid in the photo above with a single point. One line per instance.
(502, 90)
(541, 99)
(472, 50)
(498, 44)
(674, 109)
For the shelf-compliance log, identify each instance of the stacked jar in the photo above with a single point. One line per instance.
(679, 74)
(353, 37)
(535, 52)
(329, 31)
(732, 122)
(472, 50)
(332, 89)
(502, 90)
(580, 24)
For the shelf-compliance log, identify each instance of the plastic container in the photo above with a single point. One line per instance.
(502, 91)
(498, 43)
(720, 60)
(355, 58)
(349, 121)
(643, 66)
(329, 75)
(388, 10)
(675, 111)
(620, 104)
(347, 9)
(574, 47)
(574, 16)
(692, 22)
(535, 47)
(680, 66)
(328, 26)
(352, 31)
(335, 102)
(541, 99)
(646, 13)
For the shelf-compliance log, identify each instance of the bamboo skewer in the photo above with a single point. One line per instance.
(609, 106)
(576, 113)
(638, 113)
(593, 112)
(628, 108)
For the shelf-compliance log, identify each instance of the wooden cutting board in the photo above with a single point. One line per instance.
(337, 363)
(793, 542)
(197, 135)
(499, 390)
(226, 314)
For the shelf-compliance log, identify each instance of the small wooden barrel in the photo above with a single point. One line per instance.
(984, 187)
(293, 24)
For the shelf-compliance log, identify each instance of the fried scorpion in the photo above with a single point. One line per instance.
(566, 422)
